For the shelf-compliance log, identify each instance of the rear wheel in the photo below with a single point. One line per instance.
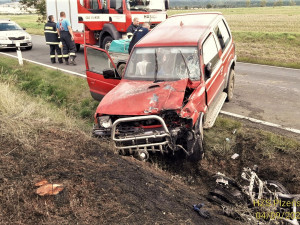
(230, 87)
(28, 48)
(107, 42)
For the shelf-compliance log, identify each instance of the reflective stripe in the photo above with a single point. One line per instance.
(52, 56)
(59, 56)
(48, 28)
(52, 43)
(49, 31)
(65, 56)
(72, 53)
(129, 33)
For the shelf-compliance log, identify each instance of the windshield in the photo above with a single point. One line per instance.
(146, 5)
(166, 63)
(9, 26)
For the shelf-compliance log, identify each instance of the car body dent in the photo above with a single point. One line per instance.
(143, 97)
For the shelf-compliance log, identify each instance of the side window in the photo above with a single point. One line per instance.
(223, 35)
(94, 4)
(116, 4)
(210, 52)
(98, 60)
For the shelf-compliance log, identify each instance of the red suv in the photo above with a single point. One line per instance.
(175, 83)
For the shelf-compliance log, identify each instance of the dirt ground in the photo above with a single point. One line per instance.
(102, 187)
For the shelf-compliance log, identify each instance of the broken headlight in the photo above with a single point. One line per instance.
(105, 122)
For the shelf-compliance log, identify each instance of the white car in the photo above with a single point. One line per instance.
(11, 34)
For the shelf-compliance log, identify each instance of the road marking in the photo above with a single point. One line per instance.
(261, 122)
(276, 67)
(223, 112)
(51, 67)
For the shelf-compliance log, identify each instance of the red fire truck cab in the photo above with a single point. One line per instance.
(107, 20)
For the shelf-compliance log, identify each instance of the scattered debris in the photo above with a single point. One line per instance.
(235, 156)
(254, 201)
(198, 208)
(41, 183)
(234, 131)
(48, 189)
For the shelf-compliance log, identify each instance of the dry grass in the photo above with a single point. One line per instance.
(22, 116)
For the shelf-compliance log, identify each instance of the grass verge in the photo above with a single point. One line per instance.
(62, 90)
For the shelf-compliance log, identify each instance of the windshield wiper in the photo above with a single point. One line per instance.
(185, 64)
(156, 67)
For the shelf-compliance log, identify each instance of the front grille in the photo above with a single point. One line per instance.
(16, 38)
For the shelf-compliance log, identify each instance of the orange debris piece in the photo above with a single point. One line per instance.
(49, 189)
(41, 183)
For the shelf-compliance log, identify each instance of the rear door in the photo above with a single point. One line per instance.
(96, 61)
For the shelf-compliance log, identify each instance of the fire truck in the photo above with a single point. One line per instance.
(99, 22)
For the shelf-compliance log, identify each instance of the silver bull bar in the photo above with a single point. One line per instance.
(146, 137)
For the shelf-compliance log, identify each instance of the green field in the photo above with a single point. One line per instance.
(264, 35)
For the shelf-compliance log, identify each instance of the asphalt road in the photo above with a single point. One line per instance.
(267, 93)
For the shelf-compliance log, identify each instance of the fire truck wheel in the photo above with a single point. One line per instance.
(230, 87)
(106, 42)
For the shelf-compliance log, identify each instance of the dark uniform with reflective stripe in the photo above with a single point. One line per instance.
(69, 47)
(53, 40)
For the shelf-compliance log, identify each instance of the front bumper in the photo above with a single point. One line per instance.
(12, 43)
(151, 140)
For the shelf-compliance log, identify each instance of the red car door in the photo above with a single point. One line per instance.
(97, 60)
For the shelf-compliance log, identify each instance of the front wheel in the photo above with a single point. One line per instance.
(28, 48)
(197, 146)
(230, 87)
(107, 42)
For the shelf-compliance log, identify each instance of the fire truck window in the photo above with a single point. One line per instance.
(98, 61)
(210, 52)
(94, 4)
(116, 4)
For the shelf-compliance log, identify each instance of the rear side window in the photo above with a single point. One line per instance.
(223, 35)
(210, 51)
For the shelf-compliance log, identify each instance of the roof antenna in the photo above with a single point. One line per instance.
(181, 23)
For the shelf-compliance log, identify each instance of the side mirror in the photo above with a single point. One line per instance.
(208, 69)
(111, 74)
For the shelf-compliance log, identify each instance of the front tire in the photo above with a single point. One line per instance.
(230, 87)
(198, 151)
(28, 48)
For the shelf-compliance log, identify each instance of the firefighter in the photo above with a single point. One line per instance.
(52, 40)
(138, 35)
(133, 27)
(65, 32)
